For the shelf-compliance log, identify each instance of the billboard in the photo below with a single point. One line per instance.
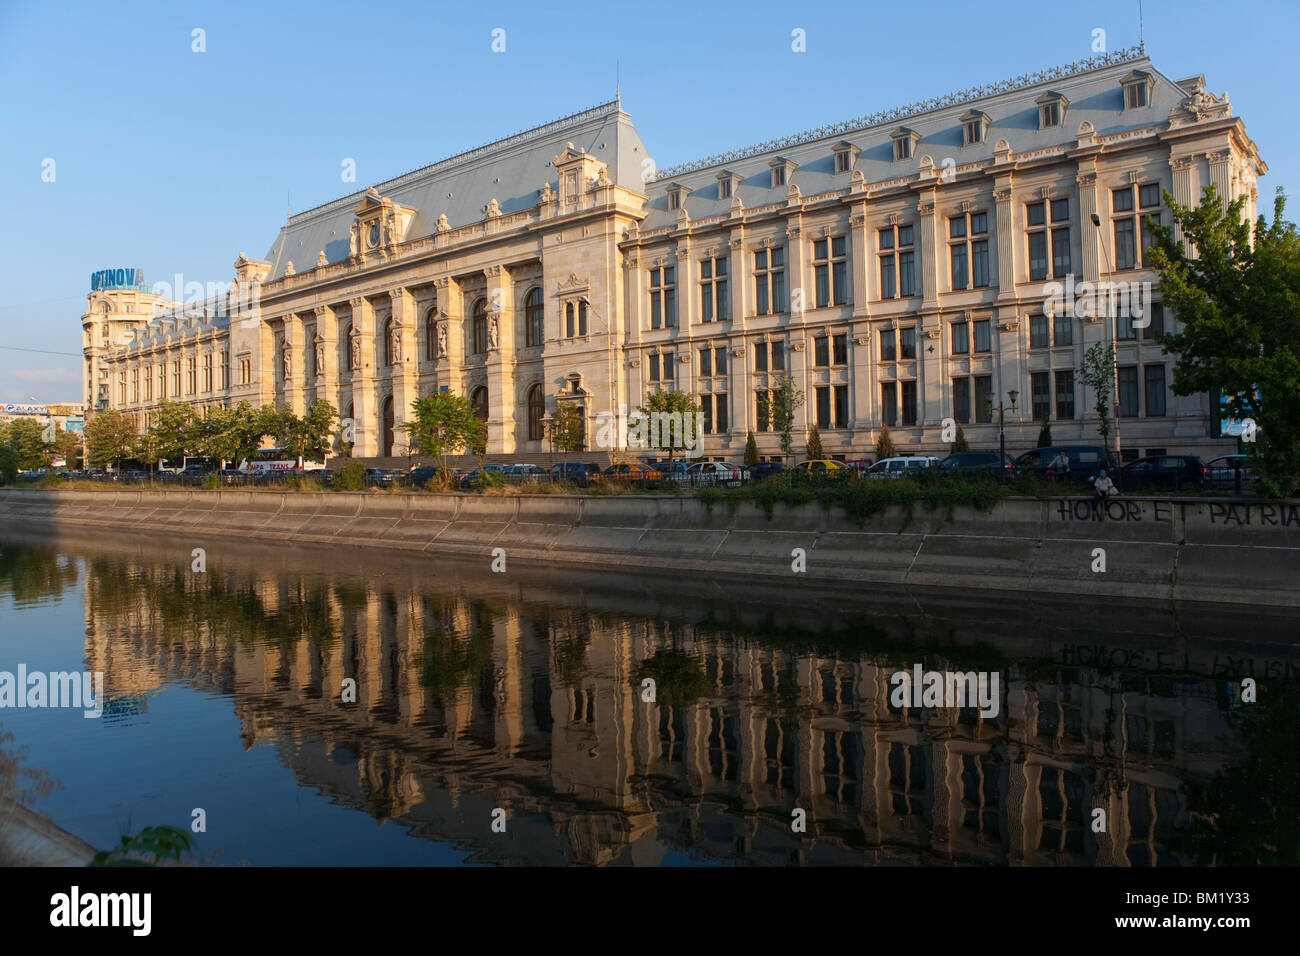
(117, 279)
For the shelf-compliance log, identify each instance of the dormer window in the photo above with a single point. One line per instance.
(975, 126)
(1051, 110)
(781, 170)
(1137, 89)
(904, 141)
(676, 195)
(727, 183)
(845, 155)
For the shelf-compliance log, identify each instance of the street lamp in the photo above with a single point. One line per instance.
(1114, 349)
(1002, 434)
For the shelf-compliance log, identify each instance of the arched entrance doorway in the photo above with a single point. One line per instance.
(388, 427)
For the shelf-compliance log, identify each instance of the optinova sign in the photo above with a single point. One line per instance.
(117, 279)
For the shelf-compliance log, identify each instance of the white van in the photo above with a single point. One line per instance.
(899, 467)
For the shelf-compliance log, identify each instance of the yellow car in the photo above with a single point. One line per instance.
(820, 466)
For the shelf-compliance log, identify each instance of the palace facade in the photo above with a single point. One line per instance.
(904, 268)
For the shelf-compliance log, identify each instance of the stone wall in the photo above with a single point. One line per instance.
(1203, 550)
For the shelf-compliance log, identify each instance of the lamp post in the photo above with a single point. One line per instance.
(1114, 350)
(1002, 433)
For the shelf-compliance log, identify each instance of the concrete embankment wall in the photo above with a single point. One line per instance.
(1200, 549)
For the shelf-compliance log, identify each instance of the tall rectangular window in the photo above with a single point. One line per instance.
(1156, 321)
(960, 338)
(841, 397)
(889, 403)
(762, 409)
(909, 403)
(663, 298)
(961, 400)
(1128, 392)
(968, 250)
(654, 366)
(714, 301)
(1065, 395)
(897, 262)
(1039, 389)
(720, 360)
(840, 349)
(983, 340)
(706, 363)
(1038, 255)
(830, 271)
(1062, 330)
(778, 356)
(760, 356)
(1038, 334)
(907, 342)
(958, 255)
(821, 351)
(1125, 253)
(888, 346)
(983, 398)
(823, 406)
(1155, 390)
(769, 281)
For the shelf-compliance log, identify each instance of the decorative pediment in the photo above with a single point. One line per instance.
(379, 224)
(572, 285)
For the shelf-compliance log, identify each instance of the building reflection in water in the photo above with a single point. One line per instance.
(525, 694)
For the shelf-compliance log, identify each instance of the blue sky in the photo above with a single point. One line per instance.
(172, 161)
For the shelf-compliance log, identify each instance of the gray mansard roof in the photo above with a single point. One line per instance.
(511, 170)
(1091, 87)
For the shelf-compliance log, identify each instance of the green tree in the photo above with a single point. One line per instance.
(31, 441)
(310, 436)
(110, 437)
(8, 464)
(672, 419)
(884, 444)
(172, 433)
(786, 400)
(1238, 302)
(442, 423)
(243, 431)
(751, 451)
(1045, 434)
(959, 442)
(815, 444)
(68, 446)
(1098, 374)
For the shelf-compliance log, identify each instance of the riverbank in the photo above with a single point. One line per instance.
(1192, 550)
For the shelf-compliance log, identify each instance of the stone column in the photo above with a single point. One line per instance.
(928, 246)
(295, 382)
(1182, 167)
(501, 359)
(1006, 238)
(364, 408)
(1221, 174)
(450, 347)
(405, 369)
(327, 356)
(1089, 235)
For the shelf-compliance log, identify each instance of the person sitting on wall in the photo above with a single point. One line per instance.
(1060, 466)
(1104, 488)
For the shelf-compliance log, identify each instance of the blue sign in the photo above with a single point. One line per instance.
(117, 279)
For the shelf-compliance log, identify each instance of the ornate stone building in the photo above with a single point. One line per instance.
(911, 268)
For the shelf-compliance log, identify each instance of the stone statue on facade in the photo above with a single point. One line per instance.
(288, 361)
(320, 356)
(395, 345)
(442, 338)
(356, 349)
(492, 331)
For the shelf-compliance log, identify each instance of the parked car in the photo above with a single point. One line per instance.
(584, 474)
(468, 479)
(824, 467)
(518, 474)
(1165, 472)
(322, 475)
(717, 473)
(192, 475)
(765, 469)
(1223, 471)
(970, 465)
(863, 465)
(676, 472)
(379, 478)
(1085, 462)
(900, 467)
(636, 475)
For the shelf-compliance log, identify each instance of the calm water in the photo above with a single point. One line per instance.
(522, 691)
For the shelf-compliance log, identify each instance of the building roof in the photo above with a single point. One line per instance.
(510, 170)
(1092, 88)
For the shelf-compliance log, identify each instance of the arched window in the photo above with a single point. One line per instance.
(386, 347)
(480, 327)
(431, 334)
(479, 399)
(536, 411)
(535, 317)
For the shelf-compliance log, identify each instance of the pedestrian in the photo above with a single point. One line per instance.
(1103, 487)
(1060, 466)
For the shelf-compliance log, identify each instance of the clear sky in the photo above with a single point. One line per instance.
(168, 160)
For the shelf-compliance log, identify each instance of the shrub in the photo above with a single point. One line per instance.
(212, 481)
(351, 477)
